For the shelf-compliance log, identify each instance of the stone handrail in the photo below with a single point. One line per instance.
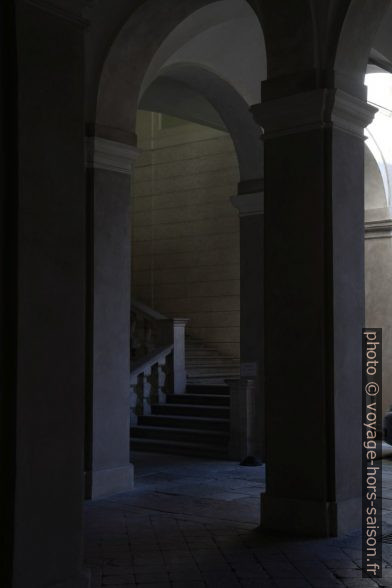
(158, 357)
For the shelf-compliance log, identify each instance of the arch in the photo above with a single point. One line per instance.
(379, 84)
(136, 46)
(361, 22)
(230, 106)
(376, 154)
(113, 138)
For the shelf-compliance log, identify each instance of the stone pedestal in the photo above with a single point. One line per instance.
(314, 309)
(244, 419)
(179, 372)
(108, 468)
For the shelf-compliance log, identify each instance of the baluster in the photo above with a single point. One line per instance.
(133, 399)
(154, 384)
(147, 392)
(161, 381)
(139, 395)
(167, 369)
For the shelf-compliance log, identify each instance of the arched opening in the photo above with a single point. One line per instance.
(378, 222)
(183, 80)
(71, 258)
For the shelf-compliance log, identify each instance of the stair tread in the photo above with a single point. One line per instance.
(198, 394)
(176, 443)
(181, 430)
(199, 389)
(189, 418)
(190, 406)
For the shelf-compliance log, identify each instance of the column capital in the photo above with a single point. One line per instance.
(180, 322)
(314, 109)
(249, 204)
(110, 155)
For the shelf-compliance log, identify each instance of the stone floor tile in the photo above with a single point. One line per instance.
(189, 584)
(183, 525)
(338, 564)
(282, 570)
(348, 573)
(292, 583)
(359, 583)
(324, 583)
(149, 578)
(154, 585)
(117, 581)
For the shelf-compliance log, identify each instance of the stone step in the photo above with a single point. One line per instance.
(210, 380)
(175, 448)
(208, 389)
(197, 410)
(183, 435)
(185, 422)
(197, 422)
(209, 355)
(203, 399)
(222, 365)
(205, 373)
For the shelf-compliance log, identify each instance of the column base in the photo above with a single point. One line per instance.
(310, 518)
(82, 581)
(102, 483)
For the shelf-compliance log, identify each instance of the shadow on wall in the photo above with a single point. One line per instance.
(185, 234)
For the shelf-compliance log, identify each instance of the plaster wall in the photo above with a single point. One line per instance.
(185, 234)
(378, 264)
(378, 271)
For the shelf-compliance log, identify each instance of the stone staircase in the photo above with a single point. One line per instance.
(197, 422)
(205, 365)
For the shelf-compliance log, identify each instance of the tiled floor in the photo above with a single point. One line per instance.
(192, 522)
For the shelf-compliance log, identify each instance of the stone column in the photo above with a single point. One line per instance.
(251, 212)
(51, 300)
(110, 164)
(314, 308)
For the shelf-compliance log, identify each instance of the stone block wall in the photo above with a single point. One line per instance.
(185, 231)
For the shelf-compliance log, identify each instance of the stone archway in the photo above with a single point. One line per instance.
(111, 151)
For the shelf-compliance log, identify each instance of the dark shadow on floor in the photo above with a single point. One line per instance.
(192, 522)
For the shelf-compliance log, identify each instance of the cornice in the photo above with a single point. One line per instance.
(249, 204)
(378, 229)
(110, 155)
(314, 109)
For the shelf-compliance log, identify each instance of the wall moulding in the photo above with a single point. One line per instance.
(110, 155)
(378, 223)
(249, 204)
(380, 229)
(314, 109)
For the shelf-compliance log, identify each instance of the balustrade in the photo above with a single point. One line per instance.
(157, 359)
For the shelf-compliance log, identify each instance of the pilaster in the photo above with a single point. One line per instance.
(314, 309)
(250, 208)
(110, 165)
